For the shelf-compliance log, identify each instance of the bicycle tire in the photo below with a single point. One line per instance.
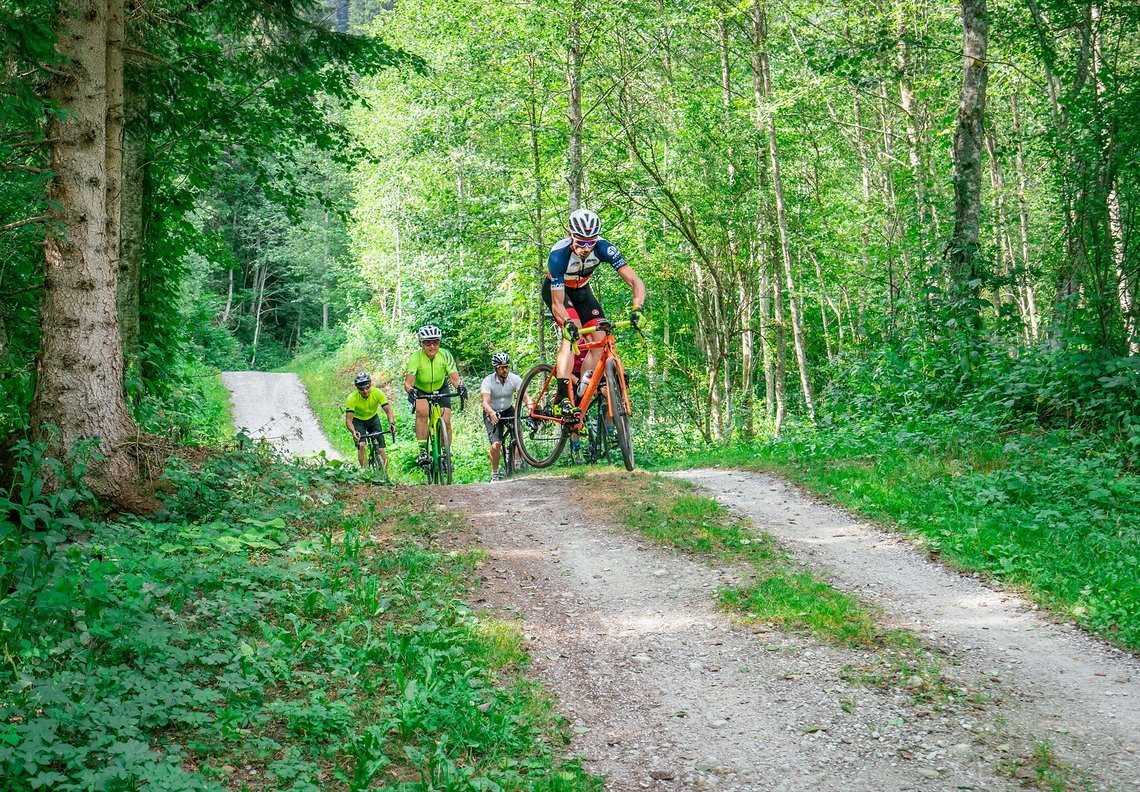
(616, 388)
(542, 445)
(603, 435)
(507, 461)
(446, 467)
(374, 454)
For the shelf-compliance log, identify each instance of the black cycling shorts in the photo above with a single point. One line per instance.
(371, 425)
(581, 304)
(444, 403)
(495, 431)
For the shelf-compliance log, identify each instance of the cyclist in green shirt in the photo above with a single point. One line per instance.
(360, 416)
(428, 371)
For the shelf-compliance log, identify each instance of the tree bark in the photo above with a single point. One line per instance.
(574, 66)
(133, 227)
(79, 367)
(1023, 226)
(963, 249)
(760, 33)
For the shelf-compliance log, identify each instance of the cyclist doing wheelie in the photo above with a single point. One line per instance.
(361, 416)
(566, 291)
(428, 370)
(498, 390)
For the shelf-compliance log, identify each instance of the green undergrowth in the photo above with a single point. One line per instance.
(329, 382)
(273, 627)
(778, 592)
(1052, 513)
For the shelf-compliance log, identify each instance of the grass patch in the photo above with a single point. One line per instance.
(257, 634)
(779, 592)
(1054, 514)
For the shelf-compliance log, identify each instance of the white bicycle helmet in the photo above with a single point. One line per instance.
(500, 359)
(584, 225)
(429, 333)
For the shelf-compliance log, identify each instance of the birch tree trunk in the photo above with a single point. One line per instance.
(760, 27)
(542, 250)
(963, 249)
(1124, 291)
(1023, 226)
(575, 61)
(79, 367)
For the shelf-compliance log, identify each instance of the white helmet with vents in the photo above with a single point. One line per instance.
(584, 225)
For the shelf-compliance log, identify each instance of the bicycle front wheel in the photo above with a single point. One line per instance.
(616, 388)
(445, 465)
(542, 444)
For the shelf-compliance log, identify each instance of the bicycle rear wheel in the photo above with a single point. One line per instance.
(540, 445)
(616, 387)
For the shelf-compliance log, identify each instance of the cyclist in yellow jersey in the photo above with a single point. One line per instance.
(428, 371)
(360, 415)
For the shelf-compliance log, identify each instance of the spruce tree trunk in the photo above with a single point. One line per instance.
(79, 368)
(132, 224)
(963, 251)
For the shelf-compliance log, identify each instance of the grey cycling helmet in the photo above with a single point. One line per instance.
(584, 225)
(362, 379)
(429, 333)
(500, 359)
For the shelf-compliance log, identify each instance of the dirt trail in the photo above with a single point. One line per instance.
(276, 407)
(664, 692)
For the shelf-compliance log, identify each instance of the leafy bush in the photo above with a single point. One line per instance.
(253, 633)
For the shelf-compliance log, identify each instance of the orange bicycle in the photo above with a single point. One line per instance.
(543, 430)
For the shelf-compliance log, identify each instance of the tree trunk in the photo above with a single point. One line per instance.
(1115, 224)
(133, 225)
(259, 279)
(1023, 226)
(781, 372)
(79, 367)
(574, 111)
(906, 95)
(760, 32)
(966, 270)
(542, 251)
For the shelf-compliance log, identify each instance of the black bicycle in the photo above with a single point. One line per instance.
(375, 443)
(599, 440)
(512, 461)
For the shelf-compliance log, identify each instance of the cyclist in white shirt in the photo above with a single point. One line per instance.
(499, 389)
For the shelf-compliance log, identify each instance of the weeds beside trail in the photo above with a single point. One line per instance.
(256, 634)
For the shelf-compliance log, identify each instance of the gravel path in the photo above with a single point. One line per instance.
(664, 692)
(276, 407)
(1059, 684)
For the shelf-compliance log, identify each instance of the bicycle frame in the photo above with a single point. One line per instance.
(435, 418)
(609, 352)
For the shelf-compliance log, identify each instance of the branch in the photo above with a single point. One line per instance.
(12, 226)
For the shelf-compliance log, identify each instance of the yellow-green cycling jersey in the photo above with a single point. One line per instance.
(431, 373)
(363, 408)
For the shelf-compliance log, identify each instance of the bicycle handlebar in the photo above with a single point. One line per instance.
(438, 396)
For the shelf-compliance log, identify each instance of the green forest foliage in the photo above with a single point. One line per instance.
(260, 629)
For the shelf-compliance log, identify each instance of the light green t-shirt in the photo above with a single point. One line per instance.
(363, 408)
(431, 373)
